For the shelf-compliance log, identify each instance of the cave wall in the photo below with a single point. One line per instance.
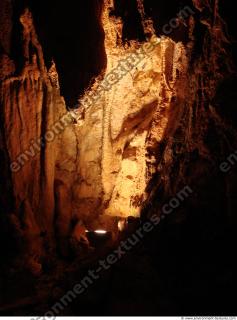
(30, 105)
(202, 134)
(159, 128)
(126, 120)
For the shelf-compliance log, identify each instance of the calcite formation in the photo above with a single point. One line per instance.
(128, 142)
(129, 117)
(30, 105)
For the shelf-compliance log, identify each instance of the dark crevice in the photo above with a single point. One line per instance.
(132, 27)
(72, 35)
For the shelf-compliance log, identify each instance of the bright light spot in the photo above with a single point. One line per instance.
(121, 225)
(100, 231)
(97, 231)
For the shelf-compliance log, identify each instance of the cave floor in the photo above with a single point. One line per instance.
(180, 278)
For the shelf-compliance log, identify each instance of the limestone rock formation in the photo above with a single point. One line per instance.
(141, 131)
(30, 106)
(121, 123)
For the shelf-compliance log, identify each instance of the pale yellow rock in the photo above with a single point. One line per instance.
(125, 118)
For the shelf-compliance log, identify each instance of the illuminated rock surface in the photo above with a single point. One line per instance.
(128, 117)
(140, 140)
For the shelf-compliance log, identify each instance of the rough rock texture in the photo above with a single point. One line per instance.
(201, 132)
(30, 105)
(126, 120)
(142, 139)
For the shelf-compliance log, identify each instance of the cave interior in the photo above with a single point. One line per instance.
(118, 128)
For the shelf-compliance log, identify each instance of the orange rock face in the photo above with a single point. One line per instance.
(130, 111)
(128, 140)
(30, 105)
